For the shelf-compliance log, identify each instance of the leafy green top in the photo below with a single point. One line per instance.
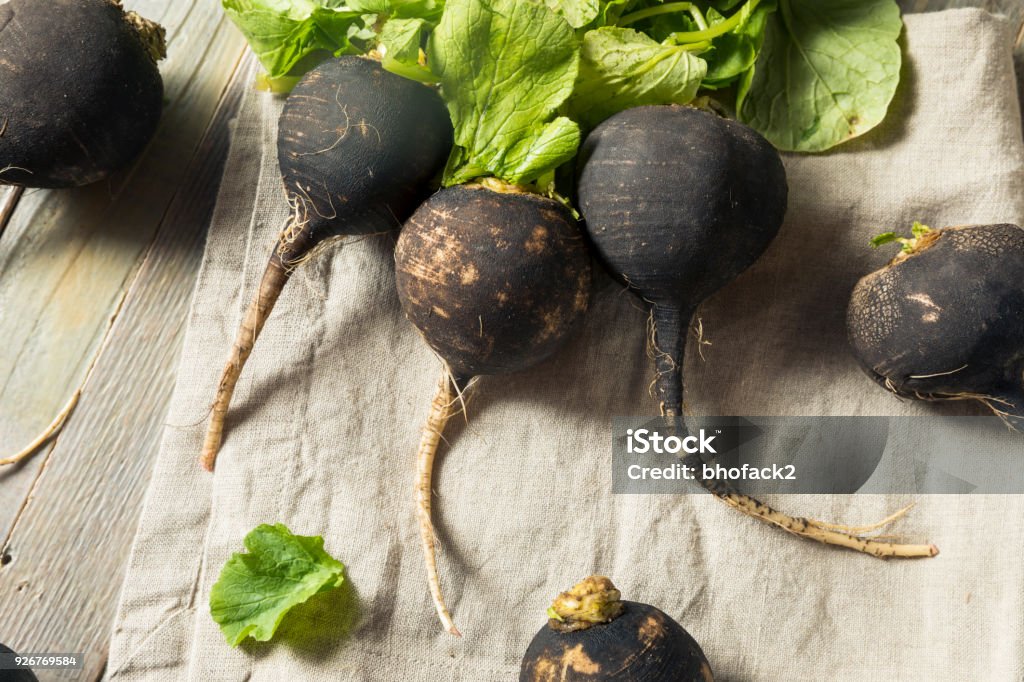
(826, 74)
(505, 66)
(519, 75)
(281, 570)
(289, 35)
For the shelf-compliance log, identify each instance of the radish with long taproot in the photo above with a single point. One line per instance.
(678, 202)
(358, 148)
(495, 281)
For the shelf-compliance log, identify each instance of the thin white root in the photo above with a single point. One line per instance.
(859, 530)
(441, 411)
(52, 430)
(803, 528)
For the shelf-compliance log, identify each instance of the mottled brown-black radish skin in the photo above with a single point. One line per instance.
(80, 91)
(677, 203)
(359, 148)
(496, 282)
(639, 643)
(946, 320)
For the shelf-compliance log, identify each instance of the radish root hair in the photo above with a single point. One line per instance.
(447, 403)
(52, 430)
(850, 537)
(824, 532)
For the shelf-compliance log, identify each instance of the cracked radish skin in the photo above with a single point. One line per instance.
(944, 320)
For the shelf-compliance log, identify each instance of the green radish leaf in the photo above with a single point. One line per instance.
(621, 68)
(403, 9)
(734, 53)
(283, 33)
(400, 40)
(826, 73)
(578, 13)
(610, 11)
(281, 570)
(883, 239)
(505, 66)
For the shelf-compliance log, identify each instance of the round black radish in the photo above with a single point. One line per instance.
(594, 636)
(495, 281)
(80, 92)
(19, 675)
(678, 202)
(945, 319)
(358, 148)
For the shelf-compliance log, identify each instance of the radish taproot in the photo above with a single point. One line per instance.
(492, 270)
(80, 90)
(358, 148)
(678, 202)
(495, 281)
(592, 635)
(944, 320)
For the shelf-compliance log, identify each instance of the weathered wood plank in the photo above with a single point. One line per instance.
(80, 522)
(67, 257)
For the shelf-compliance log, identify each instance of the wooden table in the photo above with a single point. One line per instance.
(96, 282)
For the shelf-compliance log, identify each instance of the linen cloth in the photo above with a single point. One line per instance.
(324, 426)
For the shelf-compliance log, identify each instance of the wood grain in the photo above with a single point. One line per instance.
(68, 257)
(68, 261)
(84, 511)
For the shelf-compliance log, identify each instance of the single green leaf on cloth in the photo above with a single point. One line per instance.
(281, 570)
(284, 32)
(622, 68)
(826, 73)
(505, 66)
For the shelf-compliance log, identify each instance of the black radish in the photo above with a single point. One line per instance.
(592, 635)
(944, 320)
(495, 281)
(80, 92)
(358, 149)
(15, 675)
(678, 202)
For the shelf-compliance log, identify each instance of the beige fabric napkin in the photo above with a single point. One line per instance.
(326, 419)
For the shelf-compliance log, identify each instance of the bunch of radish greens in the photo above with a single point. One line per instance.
(494, 267)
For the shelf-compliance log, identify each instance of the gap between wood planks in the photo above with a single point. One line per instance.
(5, 214)
(7, 210)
